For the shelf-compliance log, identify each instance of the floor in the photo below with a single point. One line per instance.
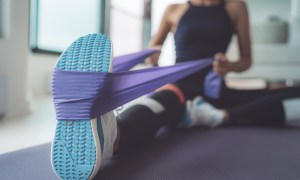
(30, 130)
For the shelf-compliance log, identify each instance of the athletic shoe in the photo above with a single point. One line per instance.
(200, 113)
(81, 146)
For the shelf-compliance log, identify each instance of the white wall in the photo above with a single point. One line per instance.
(126, 25)
(277, 61)
(167, 56)
(28, 74)
(260, 10)
(14, 55)
(40, 71)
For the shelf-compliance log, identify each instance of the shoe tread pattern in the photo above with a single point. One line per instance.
(74, 149)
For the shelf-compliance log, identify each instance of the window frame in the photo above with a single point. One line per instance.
(34, 19)
(1, 19)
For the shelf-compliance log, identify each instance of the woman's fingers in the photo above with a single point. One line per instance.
(220, 71)
(220, 56)
(220, 65)
(153, 59)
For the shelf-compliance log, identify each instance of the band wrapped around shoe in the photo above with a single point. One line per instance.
(74, 93)
(86, 95)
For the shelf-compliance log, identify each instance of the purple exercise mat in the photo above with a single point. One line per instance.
(222, 153)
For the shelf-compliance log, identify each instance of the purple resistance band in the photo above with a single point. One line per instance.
(104, 92)
(126, 62)
(212, 82)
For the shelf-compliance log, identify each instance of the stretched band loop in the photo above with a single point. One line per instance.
(87, 95)
(126, 62)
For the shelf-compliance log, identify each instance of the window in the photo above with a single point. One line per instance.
(4, 18)
(55, 24)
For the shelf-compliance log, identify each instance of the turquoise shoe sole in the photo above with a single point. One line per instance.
(76, 142)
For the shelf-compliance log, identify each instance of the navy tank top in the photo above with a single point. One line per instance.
(202, 32)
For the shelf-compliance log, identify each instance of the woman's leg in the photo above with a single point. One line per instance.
(263, 107)
(140, 123)
(205, 111)
(274, 107)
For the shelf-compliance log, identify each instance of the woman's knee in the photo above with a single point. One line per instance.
(175, 90)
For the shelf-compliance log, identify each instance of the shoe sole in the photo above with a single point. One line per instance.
(76, 142)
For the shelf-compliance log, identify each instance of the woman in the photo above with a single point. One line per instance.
(203, 28)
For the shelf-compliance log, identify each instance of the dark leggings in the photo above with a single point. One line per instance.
(139, 124)
(260, 107)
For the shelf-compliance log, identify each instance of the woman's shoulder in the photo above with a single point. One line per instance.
(236, 8)
(177, 5)
(236, 4)
(173, 8)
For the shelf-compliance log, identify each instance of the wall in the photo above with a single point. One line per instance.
(260, 10)
(14, 54)
(168, 50)
(126, 25)
(277, 61)
(40, 70)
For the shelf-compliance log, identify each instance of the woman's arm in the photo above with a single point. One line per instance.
(160, 37)
(239, 15)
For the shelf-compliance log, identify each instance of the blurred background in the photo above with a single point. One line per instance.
(33, 33)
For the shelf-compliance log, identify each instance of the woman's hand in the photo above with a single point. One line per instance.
(221, 65)
(153, 59)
